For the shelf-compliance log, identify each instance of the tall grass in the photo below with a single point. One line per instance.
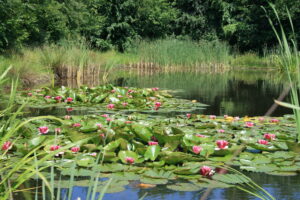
(174, 52)
(290, 62)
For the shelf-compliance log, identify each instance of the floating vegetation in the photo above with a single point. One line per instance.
(194, 150)
(109, 98)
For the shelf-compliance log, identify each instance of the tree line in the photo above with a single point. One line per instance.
(107, 24)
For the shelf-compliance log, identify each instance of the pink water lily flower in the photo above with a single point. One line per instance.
(201, 136)
(261, 119)
(212, 117)
(222, 144)
(75, 149)
(129, 160)
(54, 147)
(57, 130)
(206, 171)
(93, 154)
(157, 105)
(67, 117)
(104, 115)
(152, 143)
(6, 146)
(29, 94)
(58, 98)
(43, 129)
(128, 122)
(226, 116)
(102, 135)
(197, 149)
(125, 104)
(274, 120)
(264, 142)
(47, 97)
(155, 89)
(221, 131)
(270, 136)
(99, 126)
(249, 124)
(113, 91)
(108, 119)
(236, 118)
(69, 109)
(110, 106)
(188, 115)
(69, 99)
(76, 125)
(119, 96)
(130, 91)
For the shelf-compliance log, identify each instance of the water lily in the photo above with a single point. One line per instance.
(225, 116)
(129, 160)
(108, 119)
(237, 118)
(261, 119)
(152, 143)
(54, 147)
(6, 146)
(197, 149)
(130, 91)
(69, 99)
(102, 135)
(206, 171)
(113, 91)
(29, 94)
(155, 89)
(249, 124)
(99, 126)
(157, 105)
(119, 96)
(75, 149)
(43, 129)
(57, 130)
(269, 136)
(69, 109)
(221, 131)
(188, 115)
(274, 120)
(264, 142)
(76, 125)
(47, 97)
(93, 154)
(110, 106)
(67, 117)
(125, 104)
(58, 98)
(222, 144)
(104, 115)
(201, 136)
(128, 122)
(212, 117)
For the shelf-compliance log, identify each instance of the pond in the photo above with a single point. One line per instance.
(235, 93)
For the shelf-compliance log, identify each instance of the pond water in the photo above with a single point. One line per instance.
(239, 93)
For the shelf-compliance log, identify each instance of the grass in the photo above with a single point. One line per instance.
(186, 53)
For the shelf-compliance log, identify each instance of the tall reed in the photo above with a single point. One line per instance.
(175, 52)
(290, 62)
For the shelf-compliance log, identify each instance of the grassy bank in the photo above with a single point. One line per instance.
(42, 65)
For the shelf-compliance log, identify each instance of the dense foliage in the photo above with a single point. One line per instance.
(118, 23)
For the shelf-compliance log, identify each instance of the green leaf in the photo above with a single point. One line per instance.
(124, 154)
(142, 132)
(186, 187)
(152, 152)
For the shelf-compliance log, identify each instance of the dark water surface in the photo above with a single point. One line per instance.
(236, 93)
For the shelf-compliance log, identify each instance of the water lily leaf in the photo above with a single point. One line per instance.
(207, 183)
(127, 176)
(114, 167)
(88, 129)
(155, 181)
(124, 154)
(178, 157)
(152, 152)
(162, 174)
(112, 146)
(187, 187)
(85, 162)
(142, 132)
(283, 173)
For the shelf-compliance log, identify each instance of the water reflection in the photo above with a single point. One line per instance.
(234, 93)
